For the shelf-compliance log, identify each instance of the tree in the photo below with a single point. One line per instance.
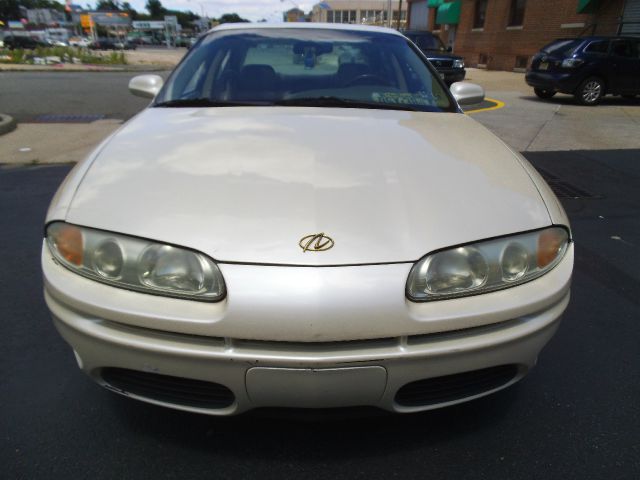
(126, 7)
(231, 18)
(107, 5)
(155, 8)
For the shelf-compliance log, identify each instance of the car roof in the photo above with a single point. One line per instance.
(603, 37)
(301, 26)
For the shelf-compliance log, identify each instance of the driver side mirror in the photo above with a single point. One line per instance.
(449, 49)
(146, 86)
(467, 93)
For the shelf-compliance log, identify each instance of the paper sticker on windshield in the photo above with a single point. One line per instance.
(419, 98)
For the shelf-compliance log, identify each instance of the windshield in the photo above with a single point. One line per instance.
(305, 67)
(562, 47)
(426, 41)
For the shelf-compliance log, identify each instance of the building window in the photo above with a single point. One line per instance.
(479, 13)
(516, 13)
(329, 16)
(522, 62)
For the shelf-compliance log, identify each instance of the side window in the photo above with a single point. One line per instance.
(622, 48)
(598, 47)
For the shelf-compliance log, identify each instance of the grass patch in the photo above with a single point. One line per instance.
(66, 55)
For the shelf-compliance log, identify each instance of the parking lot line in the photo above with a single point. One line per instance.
(498, 104)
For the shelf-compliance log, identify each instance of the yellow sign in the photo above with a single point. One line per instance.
(85, 21)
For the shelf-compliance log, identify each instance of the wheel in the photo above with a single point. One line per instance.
(590, 92)
(542, 93)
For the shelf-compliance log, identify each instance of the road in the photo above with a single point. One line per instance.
(25, 95)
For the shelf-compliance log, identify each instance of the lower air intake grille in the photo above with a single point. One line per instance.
(432, 391)
(163, 388)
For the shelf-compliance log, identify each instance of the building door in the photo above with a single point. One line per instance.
(631, 18)
(451, 39)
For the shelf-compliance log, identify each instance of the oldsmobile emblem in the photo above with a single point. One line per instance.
(316, 242)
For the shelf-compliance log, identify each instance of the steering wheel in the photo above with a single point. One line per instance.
(367, 79)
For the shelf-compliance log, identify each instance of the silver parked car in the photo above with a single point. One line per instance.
(303, 217)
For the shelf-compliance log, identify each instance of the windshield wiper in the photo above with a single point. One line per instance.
(343, 103)
(207, 102)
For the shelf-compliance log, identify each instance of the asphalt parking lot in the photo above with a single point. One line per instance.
(575, 416)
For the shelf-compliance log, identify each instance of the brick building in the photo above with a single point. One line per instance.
(505, 34)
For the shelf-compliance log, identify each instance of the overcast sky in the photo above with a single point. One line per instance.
(250, 9)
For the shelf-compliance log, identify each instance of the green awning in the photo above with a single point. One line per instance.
(588, 6)
(449, 13)
(434, 3)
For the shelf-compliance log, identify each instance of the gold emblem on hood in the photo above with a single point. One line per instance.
(316, 242)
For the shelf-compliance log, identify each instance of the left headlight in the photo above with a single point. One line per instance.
(135, 264)
(486, 266)
(458, 63)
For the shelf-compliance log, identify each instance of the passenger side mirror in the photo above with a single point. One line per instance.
(146, 86)
(467, 93)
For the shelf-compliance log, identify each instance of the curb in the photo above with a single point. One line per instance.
(89, 69)
(7, 124)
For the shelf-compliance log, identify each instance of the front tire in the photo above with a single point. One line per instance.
(590, 91)
(542, 93)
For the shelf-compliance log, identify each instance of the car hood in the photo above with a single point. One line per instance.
(246, 184)
(433, 55)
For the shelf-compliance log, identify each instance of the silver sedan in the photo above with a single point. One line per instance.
(303, 217)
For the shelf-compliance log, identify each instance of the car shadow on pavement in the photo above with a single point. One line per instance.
(562, 99)
(299, 433)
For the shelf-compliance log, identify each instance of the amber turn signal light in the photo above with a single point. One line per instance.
(68, 242)
(550, 244)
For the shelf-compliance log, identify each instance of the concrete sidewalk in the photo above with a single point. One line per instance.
(528, 123)
(35, 143)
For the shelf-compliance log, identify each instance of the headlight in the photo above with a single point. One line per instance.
(487, 266)
(458, 63)
(571, 63)
(135, 264)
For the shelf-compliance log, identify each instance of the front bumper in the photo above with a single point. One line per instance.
(555, 81)
(330, 371)
(452, 75)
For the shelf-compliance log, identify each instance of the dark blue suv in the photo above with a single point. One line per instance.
(588, 68)
(449, 66)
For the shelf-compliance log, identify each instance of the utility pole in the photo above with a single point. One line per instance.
(389, 13)
(399, 15)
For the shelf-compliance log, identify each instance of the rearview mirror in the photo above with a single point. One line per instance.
(319, 48)
(146, 86)
(467, 93)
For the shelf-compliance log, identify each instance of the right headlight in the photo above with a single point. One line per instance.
(487, 266)
(135, 264)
